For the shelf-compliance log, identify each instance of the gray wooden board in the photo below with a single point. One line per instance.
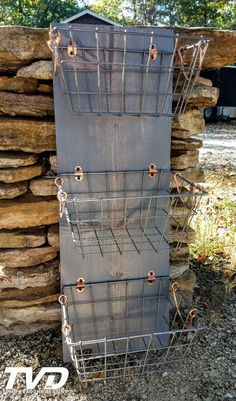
(109, 143)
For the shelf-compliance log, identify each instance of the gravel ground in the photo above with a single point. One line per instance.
(208, 373)
(219, 147)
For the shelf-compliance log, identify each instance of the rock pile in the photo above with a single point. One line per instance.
(29, 242)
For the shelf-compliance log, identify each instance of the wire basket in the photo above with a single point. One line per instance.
(131, 71)
(119, 328)
(125, 211)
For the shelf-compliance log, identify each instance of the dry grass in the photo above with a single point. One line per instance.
(214, 251)
(215, 223)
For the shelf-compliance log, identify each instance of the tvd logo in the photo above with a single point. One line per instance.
(51, 383)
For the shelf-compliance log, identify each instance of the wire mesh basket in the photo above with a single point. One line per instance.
(125, 211)
(131, 71)
(119, 328)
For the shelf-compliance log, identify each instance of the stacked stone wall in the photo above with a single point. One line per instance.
(29, 241)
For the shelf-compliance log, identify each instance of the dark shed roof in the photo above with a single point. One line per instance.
(89, 17)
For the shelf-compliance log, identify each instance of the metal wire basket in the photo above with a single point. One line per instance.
(131, 71)
(125, 211)
(118, 328)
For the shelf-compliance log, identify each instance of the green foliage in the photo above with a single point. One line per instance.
(110, 9)
(221, 14)
(37, 13)
(215, 13)
(153, 12)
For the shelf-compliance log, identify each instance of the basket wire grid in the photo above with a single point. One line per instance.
(142, 326)
(126, 211)
(125, 71)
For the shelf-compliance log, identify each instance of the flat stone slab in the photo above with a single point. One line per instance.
(16, 52)
(222, 47)
(186, 237)
(45, 89)
(28, 211)
(53, 237)
(21, 45)
(25, 257)
(27, 135)
(16, 159)
(39, 70)
(31, 292)
(11, 191)
(204, 96)
(181, 253)
(188, 124)
(31, 302)
(18, 85)
(43, 313)
(23, 238)
(185, 144)
(186, 281)
(203, 81)
(9, 175)
(35, 277)
(14, 104)
(43, 187)
(185, 160)
(177, 268)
